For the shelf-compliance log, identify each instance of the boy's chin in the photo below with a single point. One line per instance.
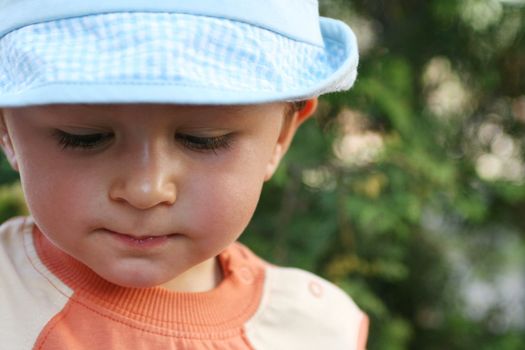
(146, 274)
(137, 281)
(137, 276)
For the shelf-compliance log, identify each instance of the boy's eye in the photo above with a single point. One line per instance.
(199, 143)
(84, 141)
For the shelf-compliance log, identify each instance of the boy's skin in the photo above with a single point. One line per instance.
(190, 176)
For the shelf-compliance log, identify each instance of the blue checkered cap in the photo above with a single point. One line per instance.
(169, 57)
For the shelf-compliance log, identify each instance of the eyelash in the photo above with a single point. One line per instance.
(90, 141)
(203, 144)
(85, 142)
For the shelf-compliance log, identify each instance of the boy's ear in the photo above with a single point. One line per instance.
(6, 144)
(290, 126)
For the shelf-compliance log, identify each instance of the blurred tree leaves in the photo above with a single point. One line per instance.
(11, 201)
(408, 230)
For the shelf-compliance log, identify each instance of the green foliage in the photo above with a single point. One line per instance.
(410, 227)
(7, 175)
(12, 202)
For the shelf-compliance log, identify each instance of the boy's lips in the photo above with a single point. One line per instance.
(140, 240)
(140, 237)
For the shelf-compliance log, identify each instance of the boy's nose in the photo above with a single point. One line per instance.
(144, 185)
(144, 194)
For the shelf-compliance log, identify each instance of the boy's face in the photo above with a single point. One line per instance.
(143, 194)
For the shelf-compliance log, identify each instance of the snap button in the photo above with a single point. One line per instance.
(316, 289)
(246, 275)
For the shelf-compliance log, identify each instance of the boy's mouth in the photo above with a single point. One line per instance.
(143, 241)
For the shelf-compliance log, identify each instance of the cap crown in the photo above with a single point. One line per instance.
(296, 19)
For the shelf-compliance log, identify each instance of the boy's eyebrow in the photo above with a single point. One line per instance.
(225, 108)
(98, 107)
(102, 110)
(94, 107)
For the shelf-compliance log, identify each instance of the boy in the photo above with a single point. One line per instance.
(143, 132)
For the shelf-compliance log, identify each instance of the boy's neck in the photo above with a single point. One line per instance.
(200, 278)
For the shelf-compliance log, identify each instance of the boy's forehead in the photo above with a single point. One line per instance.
(147, 107)
(100, 112)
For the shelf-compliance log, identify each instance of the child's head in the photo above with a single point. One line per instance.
(143, 138)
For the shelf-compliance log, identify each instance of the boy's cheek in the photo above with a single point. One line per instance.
(225, 203)
(57, 194)
(274, 162)
(51, 201)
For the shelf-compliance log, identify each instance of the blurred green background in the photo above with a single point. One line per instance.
(409, 190)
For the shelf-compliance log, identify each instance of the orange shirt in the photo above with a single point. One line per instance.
(49, 300)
